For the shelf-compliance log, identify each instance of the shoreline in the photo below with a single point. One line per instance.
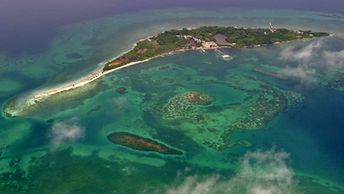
(40, 95)
(45, 93)
(98, 73)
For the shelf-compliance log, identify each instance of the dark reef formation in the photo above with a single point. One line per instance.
(141, 143)
(121, 90)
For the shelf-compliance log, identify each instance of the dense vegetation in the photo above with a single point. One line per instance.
(173, 40)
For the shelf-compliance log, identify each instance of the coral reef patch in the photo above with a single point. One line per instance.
(185, 105)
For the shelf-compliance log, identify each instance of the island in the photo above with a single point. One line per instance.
(141, 143)
(167, 43)
(207, 37)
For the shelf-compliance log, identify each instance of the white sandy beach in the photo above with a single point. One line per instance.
(41, 94)
(98, 73)
(44, 93)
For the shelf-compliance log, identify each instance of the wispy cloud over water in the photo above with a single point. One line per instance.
(261, 172)
(310, 61)
(305, 54)
(306, 67)
(334, 58)
(66, 131)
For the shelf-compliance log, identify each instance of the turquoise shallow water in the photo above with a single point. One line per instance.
(61, 145)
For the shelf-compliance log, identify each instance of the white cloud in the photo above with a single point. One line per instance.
(261, 172)
(195, 185)
(66, 131)
(267, 172)
(311, 61)
(304, 74)
(305, 53)
(307, 61)
(334, 58)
